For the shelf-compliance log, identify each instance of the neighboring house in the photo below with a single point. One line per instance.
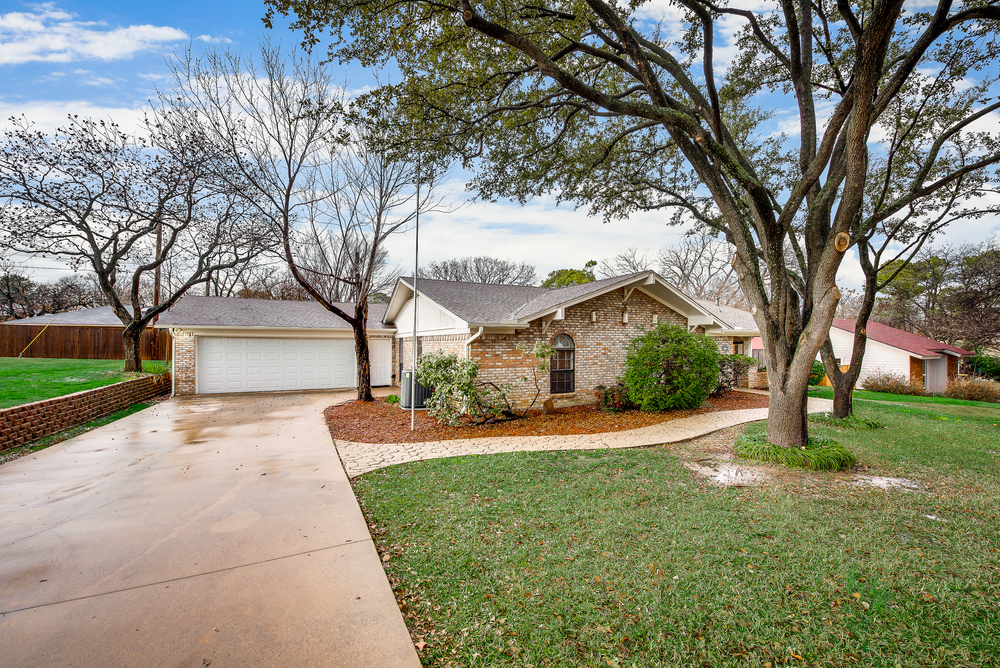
(590, 325)
(892, 350)
(90, 333)
(225, 344)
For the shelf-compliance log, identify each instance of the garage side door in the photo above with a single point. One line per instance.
(230, 364)
(380, 351)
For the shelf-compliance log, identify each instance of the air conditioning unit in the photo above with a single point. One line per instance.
(422, 395)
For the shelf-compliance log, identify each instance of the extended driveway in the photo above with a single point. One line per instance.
(212, 531)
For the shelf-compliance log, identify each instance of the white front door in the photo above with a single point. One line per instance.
(231, 364)
(380, 351)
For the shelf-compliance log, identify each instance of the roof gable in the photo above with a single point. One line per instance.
(908, 341)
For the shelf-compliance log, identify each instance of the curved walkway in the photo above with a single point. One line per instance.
(359, 458)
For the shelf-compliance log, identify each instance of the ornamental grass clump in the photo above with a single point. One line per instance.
(852, 422)
(819, 454)
(670, 368)
(973, 389)
(892, 383)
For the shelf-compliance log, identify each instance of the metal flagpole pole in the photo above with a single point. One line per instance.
(416, 269)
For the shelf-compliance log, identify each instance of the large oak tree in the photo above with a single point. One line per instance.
(622, 107)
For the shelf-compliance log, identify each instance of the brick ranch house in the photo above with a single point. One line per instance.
(590, 325)
(222, 344)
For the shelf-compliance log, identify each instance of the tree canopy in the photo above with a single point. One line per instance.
(622, 108)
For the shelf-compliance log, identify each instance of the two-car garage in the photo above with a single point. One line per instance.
(224, 345)
(246, 364)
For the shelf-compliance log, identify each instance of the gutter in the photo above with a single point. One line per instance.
(468, 343)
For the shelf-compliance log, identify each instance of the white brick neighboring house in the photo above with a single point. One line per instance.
(223, 344)
(592, 323)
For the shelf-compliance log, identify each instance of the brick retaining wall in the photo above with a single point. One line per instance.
(26, 423)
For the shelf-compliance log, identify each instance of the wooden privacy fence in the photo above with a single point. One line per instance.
(79, 342)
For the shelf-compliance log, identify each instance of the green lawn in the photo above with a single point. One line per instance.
(827, 393)
(23, 380)
(627, 558)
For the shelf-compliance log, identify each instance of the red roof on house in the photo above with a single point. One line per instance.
(908, 341)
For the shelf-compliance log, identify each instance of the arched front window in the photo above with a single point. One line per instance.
(563, 368)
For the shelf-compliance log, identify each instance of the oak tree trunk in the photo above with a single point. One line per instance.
(843, 397)
(131, 337)
(786, 416)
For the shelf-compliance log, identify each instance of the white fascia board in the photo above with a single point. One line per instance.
(397, 299)
(280, 332)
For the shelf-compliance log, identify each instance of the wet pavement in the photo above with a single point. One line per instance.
(214, 531)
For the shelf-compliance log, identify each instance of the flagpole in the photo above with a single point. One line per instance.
(416, 269)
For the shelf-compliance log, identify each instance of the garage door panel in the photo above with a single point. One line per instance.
(257, 365)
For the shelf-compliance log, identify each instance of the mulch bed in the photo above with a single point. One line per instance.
(379, 422)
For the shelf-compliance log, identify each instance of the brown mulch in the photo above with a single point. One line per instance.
(379, 422)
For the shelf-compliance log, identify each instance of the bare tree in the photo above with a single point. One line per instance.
(333, 195)
(481, 269)
(701, 265)
(629, 261)
(93, 195)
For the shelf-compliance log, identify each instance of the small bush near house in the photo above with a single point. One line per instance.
(973, 389)
(987, 366)
(669, 368)
(818, 373)
(613, 398)
(892, 383)
(820, 454)
(392, 399)
(458, 393)
(731, 367)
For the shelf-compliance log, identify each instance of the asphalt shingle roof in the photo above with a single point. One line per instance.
(101, 316)
(908, 341)
(193, 311)
(478, 302)
(734, 317)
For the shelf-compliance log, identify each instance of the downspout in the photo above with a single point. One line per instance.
(468, 343)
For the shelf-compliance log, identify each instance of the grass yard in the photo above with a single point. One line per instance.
(827, 393)
(628, 558)
(23, 380)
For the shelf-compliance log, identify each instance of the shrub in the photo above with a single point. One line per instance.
(613, 398)
(820, 454)
(392, 399)
(818, 373)
(892, 383)
(669, 368)
(731, 367)
(987, 366)
(457, 393)
(973, 389)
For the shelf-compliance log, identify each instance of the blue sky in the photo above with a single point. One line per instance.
(104, 59)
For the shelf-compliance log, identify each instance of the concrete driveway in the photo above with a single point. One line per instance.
(206, 531)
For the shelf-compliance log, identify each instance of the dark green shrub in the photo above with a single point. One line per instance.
(987, 366)
(820, 454)
(818, 373)
(669, 368)
(613, 398)
(731, 367)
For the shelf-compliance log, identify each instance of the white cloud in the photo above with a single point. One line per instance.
(218, 39)
(538, 233)
(47, 116)
(49, 34)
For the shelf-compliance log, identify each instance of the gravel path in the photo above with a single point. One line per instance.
(360, 458)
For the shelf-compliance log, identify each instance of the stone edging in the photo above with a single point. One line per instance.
(29, 422)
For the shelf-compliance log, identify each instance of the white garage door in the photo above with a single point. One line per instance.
(270, 365)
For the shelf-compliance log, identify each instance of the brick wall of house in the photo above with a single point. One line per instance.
(184, 362)
(449, 343)
(600, 346)
(23, 424)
